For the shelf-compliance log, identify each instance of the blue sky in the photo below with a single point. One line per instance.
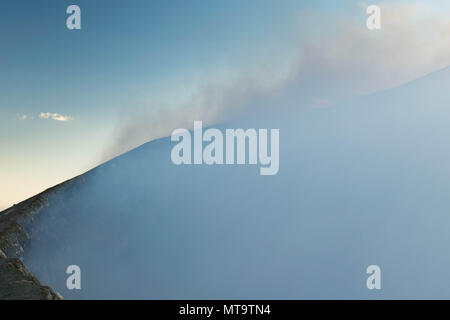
(122, 49)
(132, 61)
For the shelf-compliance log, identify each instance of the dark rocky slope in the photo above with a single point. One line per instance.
(16, 282)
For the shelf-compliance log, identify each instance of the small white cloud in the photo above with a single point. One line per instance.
(54, 116)
(21, 116)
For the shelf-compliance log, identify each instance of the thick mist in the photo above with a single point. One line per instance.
(315, 63)
(365, 182)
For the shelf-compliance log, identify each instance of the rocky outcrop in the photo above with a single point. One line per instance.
(16, 282)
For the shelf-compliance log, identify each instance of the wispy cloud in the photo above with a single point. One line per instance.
(411, 43)
(21, 116)
(54, 116)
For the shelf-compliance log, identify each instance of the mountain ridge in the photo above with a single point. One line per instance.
(130, 186)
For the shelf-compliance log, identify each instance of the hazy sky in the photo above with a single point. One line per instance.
(137, 70)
